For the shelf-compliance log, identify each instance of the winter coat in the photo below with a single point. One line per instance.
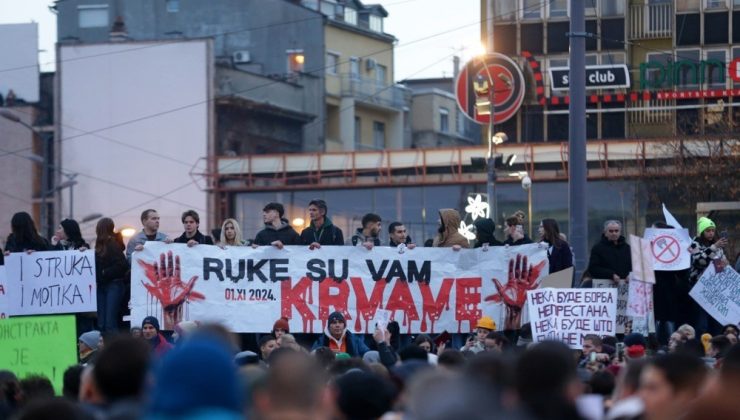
(559, 257)
(525, 240)
(484, 232)
(450, 237)
(159, 344)
(608, 258)
(356, 346)
(69, 246)
(110, 265)
(285, 234)
(139, 239)
(702, 254)
(328, 234)
(393, 244)
(360, 238)
(198, 237)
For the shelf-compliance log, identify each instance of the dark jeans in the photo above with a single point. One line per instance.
(110, 297)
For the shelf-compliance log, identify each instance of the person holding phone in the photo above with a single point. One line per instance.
(707, 247)
(515, 232)
(476, 342)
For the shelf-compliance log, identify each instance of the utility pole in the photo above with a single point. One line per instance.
(491, 161)
(577, 170)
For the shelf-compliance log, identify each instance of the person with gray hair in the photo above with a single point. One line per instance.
(611, 256)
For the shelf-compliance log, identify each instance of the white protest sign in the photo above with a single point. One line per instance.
(669, 248)
(51, 282)
(640, 299)
(719, 294)
(568, 315)
(669, 219)
(642, 260)
(426, 290)
(4, 301)
(628, 324)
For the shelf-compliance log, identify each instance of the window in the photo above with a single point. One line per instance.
(354, 67)
(736, 3)
(735, 55)
(687, 5)
(653, 71)
(716, 28)
(590, 8)
(350, 15)
(531, 9)
(379, 135)
(358, 133)
(715, 4)
(714, 69)
(504, 10)
(332, 63)
(609, 58)
(444, 120)
(558, 8)
(376, 23)
(686, 68)
(296, 61)
(612, 8)
(592, 59)
(328, 8)
(380, 74)
(173, 6)
(93, 16)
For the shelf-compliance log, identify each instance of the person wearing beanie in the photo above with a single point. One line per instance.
(87, 346)
(150, 332)
(68, 237)
(707, 247)
(280, 327)
(339, 339)
(476, 342)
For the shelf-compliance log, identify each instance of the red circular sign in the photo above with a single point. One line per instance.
(666, 249)
(491, 75)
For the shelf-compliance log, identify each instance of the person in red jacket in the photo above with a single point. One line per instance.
(150, 332)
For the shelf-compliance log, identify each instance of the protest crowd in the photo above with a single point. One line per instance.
(689, 368)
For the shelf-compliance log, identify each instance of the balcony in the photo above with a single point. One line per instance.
(372, 92)
(651, 21)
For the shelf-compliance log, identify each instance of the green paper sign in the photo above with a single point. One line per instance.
(39, 345)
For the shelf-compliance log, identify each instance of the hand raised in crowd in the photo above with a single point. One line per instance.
(380, 335)
(470, 342)
(314, 245)
(441, 347)
(278, 244)
(721, 243)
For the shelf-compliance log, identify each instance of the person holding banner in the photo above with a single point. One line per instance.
(707, 248)
(368, 234)
(231, 234)
(277, 231)
(68, 237)
(111, 268)
(192, 236)
(447, 234)
(321, 231)
(24, 236)
(149, 232)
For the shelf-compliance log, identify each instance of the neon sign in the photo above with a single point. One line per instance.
(687, 72)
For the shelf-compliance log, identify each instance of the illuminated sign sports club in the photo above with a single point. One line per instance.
(655, 75)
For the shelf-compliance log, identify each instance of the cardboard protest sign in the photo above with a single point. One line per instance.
(642, 260)
(628, 324)
(425, 289)
(719, 294)
(639, 299)
(562, 279)
(4, 301)
(568, 315)
(53, 282)
(39, 345)
(669, 248)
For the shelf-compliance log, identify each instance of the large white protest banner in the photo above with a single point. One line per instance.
(628, 324)
(4, 301)
(669, 248)
(719, 294)
(425, 289)
(568, 315)
(53, 282)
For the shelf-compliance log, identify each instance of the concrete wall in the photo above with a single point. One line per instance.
(16, 172)
(19, 61)
(135, 121)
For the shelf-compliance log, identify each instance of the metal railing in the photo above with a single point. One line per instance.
(651, 21)
(374, 92)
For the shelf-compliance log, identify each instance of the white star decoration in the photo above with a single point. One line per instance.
(466, 231)
(476, 207)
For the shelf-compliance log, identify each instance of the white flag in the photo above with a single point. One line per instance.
(670, 219)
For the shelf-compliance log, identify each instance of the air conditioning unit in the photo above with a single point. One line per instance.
(370, 64)
(241, 57)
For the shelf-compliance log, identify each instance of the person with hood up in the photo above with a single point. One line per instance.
(87, 346)
(321, 231)
(485, 229)
(68, 237)
(339, 339)
(447, 234)
(150, 332)
(611, 257)
(277, 231)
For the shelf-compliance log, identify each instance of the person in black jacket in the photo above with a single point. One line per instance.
(558, 252)
(192, 236)
(111, 268)
(367, 235)
(68, 237)
(277, 231)
(398, 235)
(321, 231)
(515, 232)
(24, 236)
(611, 257)
(485, 229)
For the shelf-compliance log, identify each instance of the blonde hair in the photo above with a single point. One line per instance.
(237, 233)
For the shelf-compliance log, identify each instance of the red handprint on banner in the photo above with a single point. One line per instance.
(167, 287)
(522, 277)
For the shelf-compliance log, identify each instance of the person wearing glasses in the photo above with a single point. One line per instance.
(611, 256)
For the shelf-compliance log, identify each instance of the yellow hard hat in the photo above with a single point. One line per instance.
(487, 323)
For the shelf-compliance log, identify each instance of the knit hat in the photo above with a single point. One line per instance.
(633, 339)
(153, 321)
(281, 324)
(703, 224)
(635, 351)
(336, 316)
(487, 323)
(91, 339)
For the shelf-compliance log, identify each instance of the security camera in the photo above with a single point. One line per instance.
(526, 182)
